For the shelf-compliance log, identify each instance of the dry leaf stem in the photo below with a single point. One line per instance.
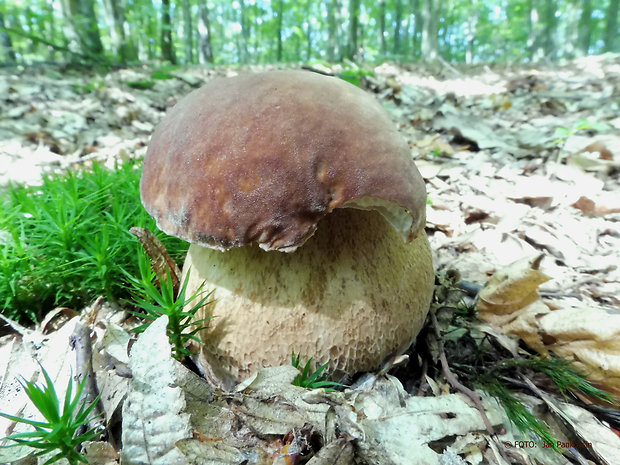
(80, 342)
(455, 383)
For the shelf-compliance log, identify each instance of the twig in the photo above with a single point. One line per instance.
(449, 66)
(557, 413)
(556, 295)
(423, 377)
(80, 342)
(317, 70)
(60, 48)
(474, 396)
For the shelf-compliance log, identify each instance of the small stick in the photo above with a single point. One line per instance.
(552, 295)
(455, 383)
(80, 342)
(423, 377)
(317, 70)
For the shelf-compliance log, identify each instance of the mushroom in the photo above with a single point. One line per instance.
(305, 213)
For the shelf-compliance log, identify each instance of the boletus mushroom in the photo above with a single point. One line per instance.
(305, 213)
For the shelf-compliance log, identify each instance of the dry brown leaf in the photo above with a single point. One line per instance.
(100, 453)
(589, 161)
(591, 434)
(589, 336)
(601, 149)
(513, 288)
(338, 452)
(161, 261)
(589, 208)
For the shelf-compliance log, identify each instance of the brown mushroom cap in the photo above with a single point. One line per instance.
(263, 157)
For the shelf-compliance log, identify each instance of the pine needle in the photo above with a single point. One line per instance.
(564, 374)
(519, 415)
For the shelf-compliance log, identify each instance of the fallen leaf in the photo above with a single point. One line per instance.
(592, 436)
(513, 288)
(154, 417)
(589, 208)
(588, 336)
(161, 261)
(601, 149)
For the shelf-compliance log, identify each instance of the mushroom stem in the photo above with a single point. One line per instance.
(353, 294)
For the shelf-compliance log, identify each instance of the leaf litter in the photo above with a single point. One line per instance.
(518, 163)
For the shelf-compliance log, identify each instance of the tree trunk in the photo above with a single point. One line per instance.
(119, 30)
(472, 29)
(332, 6)
(585, 27)
(52, 32)
(611, 28)
(167, 47)
(360, 43)
(147, 47)
(382, 27)
(398, 19)
(89, 31)
(354, 9)
(81, 27)
(278, 14)
(245, 33)
(308, 31)
(6, 42)
(205, 54)
(407, 30)
(33, 45)
(189, 32)
(535, 42)
(550, 28)
(417, 30)
(430, 29)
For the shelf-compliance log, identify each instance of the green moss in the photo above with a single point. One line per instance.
(67, 241)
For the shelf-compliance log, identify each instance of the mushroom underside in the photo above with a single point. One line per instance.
(353, 294)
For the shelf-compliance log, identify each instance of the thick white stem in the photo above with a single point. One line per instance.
(353, 294)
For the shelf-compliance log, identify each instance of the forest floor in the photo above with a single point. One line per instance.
(518, 162)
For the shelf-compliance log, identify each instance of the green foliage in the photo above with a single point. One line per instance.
(563, 373)
(466, 310)
(89, 87)
(160, 74)
(561, 134)
(519, 415)
(68, 241)
(249, 32)
(141, 84)
(355, 75)
(161, 301)
(164, 73)
(312, 380)
(60, 430)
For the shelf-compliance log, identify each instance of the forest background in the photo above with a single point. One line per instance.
(520, 159)
(267, 31)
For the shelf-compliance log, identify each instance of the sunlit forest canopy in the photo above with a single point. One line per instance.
(266, 31)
